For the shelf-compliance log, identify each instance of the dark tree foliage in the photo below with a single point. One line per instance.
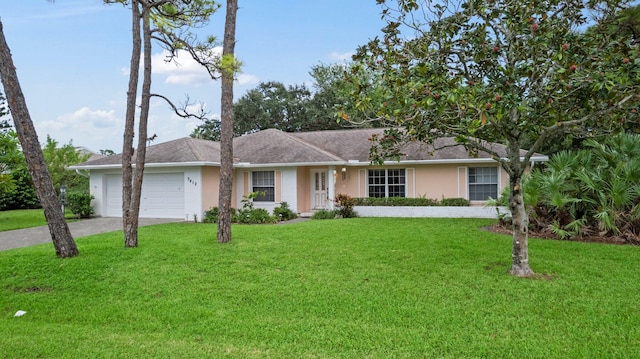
(270, 105)
(295, 108)
(22, 195)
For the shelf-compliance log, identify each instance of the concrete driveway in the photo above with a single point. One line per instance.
(27, 237)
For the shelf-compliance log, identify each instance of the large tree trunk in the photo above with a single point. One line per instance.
(141, 151)
(226, 133)
(520, 250)
(60, 235)
(129, 211)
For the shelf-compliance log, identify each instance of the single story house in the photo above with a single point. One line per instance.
(306, 170)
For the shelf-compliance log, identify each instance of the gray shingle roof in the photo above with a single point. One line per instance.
(355, 145)
(182, 150)
(273, 146)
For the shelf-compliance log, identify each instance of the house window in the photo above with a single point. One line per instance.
(263, 182)
(483, 183)
(387, 183)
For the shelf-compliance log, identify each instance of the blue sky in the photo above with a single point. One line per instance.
(72, 59)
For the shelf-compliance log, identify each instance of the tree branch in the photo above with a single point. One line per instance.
(554, 128)
(182, 110)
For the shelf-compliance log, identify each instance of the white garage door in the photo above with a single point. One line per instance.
(162, 195)
(113, 197)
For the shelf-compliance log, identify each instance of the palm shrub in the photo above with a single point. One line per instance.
(591, 191)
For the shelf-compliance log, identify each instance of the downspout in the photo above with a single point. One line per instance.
(82, 174)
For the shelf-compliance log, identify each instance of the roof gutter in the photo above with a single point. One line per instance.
(147, 165)
(354, 163)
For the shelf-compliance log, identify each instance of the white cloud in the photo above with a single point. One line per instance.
(94, 129)
(182, 70)
(243, 80)
(341, 57)
(103, 129)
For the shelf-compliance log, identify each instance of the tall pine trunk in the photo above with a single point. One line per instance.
(63, 242)
(141, 151)
(226, 131)
(129, 212)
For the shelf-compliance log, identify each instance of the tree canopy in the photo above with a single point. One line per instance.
(503, 71)
(58, 158)
(296, 108)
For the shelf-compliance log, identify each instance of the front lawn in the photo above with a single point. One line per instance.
(350, 288)
(25, 218)
(21, 218)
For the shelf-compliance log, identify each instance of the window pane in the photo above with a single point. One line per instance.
(263, 181)
(266, 194)
(376, 191)
(396, 180)
(483, 183)
(376, 177)
(396, 191)
(376, 183)
(386, 183)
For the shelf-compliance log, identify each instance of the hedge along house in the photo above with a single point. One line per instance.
(305, 169)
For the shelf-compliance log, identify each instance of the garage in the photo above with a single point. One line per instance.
(162, 195)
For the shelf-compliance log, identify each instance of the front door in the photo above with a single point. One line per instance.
(318, 189)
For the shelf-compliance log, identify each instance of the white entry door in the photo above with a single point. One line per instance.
(318, 189)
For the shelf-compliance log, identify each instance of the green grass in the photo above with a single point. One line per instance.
(25, 218)
(350, 288)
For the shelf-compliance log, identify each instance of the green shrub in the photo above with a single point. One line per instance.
(250, 215)
(22, 195)
(254, 216)
(344, 206)
(395, 201)
(455, 202)
(247, 215)
(284, 213)
(79, 203)
(411, 202)
(210, 216)
(324, 214)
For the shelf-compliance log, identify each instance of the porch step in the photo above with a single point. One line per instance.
(306, 214)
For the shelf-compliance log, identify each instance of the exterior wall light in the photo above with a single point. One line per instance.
(63, 197)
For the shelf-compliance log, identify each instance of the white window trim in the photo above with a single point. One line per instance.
(251, 188)
(386, 184)
(498, 181)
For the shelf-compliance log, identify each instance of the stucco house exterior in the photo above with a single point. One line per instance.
(306, 170)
